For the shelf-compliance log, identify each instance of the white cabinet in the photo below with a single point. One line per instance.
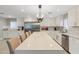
(73, 45)
(48, 22)
(77, 20)
(59, 38)
(56, 36)
(73, 17)
(59, 21)
(10, 33)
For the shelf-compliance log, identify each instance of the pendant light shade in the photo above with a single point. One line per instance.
(39, 17)
(40, 6)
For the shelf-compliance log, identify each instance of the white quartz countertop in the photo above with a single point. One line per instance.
(72, 35)
(39, 41)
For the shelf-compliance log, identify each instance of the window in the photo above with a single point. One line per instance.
(66, 23)
(13, 25)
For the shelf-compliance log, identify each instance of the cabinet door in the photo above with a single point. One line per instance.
(73, 45)
(77, 20)
(72, 17)
(59, 21)
(59, 39)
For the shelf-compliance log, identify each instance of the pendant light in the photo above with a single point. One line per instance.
(40, 17)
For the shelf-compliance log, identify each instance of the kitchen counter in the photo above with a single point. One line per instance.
(75, 35)
(72, 35)
(69, 41)
(73, 42)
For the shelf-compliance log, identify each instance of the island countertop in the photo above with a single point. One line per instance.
(39, 42)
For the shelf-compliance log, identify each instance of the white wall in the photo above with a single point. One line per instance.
(30, 19)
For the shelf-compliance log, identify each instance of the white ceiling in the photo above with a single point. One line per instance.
(32, 10)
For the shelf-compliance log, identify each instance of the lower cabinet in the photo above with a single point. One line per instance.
(73, 45)
(59, 39)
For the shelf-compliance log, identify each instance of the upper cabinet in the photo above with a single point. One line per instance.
(77, 20)
(73, 17)
(48, 22)
(59, 21)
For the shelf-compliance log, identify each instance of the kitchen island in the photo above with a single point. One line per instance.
(39, 43)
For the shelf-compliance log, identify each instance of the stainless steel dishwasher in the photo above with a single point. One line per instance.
(65, 42)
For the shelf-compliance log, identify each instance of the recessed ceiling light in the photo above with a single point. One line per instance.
(22, 10)
(2, 12)
(49, 12)
(58, 9)
(9, 16)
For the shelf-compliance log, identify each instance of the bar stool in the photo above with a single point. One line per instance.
(30, 33)
(23, 36)
(13, 43)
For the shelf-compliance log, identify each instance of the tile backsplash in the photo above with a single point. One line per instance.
(73, 29)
